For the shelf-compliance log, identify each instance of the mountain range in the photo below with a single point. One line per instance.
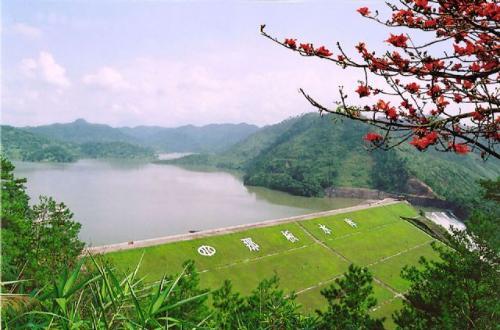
(81, 139)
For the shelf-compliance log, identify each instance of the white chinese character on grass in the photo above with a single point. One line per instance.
(325, 229)
(351, 223)
(206, 250)
(251, 245)
(289, 236)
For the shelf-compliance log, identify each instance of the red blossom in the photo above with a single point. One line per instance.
(292, 43)
(422, 3)
(459, 148)
(457, 98)
(413, 87)
(430, 23)
(373, 137)
(467, 84)
(398, 40)
(435, 90)
(442, 102)
(391, 113)
(478, 116)
(475, 67)
(322, 51)
(307, 48)
(364, 11)
(422, 143)
(363, 90)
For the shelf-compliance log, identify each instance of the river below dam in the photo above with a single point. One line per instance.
(119, 201)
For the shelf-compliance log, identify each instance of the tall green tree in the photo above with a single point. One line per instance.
(460, 291)
(37, 242)
(267, 307)
(349, 302)
(14, 214)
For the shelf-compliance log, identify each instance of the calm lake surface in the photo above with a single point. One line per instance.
(118, 201)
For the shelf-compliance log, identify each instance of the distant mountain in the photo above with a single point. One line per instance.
(20, 144)
(306, 154)
(209, 138)
(81, 131)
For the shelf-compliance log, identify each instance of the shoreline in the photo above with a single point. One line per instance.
(231, 229)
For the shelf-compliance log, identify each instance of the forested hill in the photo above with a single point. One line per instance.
(81, 131)
(209, 138)
(19, 144)
(305, 155)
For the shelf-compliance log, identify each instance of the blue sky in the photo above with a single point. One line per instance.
(171, 63)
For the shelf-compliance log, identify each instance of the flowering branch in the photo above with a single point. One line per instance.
(450, 101)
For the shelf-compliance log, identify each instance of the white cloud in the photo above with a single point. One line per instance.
(27, 31)
(46, 68)
(107, 77)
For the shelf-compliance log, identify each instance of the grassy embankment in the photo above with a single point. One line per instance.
(382, 241)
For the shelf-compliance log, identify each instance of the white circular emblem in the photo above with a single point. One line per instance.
(206, 250)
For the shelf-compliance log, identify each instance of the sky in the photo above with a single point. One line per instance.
(171, 63)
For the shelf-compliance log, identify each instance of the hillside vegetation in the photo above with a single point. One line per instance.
(306, 154)
(18, 144)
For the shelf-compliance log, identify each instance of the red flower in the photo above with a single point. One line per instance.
(430, 23)
(398, 40)
(442, 102)
(478, 116)
(308, 48)
(363, 90)
(460, 148)
(423, 142)
(364, 11)
(382, 105)
(467, 84)
(413, 87)
(457, 98)
(391, 113)
(434, 90)
(475, 67)
(373, 137)
(322, 51)
(292, 43)
(422, 3)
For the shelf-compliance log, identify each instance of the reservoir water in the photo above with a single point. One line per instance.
(118, 201)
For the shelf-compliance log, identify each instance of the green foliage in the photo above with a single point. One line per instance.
(54, 242)
(267, 307)
(15, 228)
(97, 297)
(80, 131)
(23, 145)
(389, 171)
(307, 158)
(349, 302)
(121, 150)
(460, 291)
(37, 242)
